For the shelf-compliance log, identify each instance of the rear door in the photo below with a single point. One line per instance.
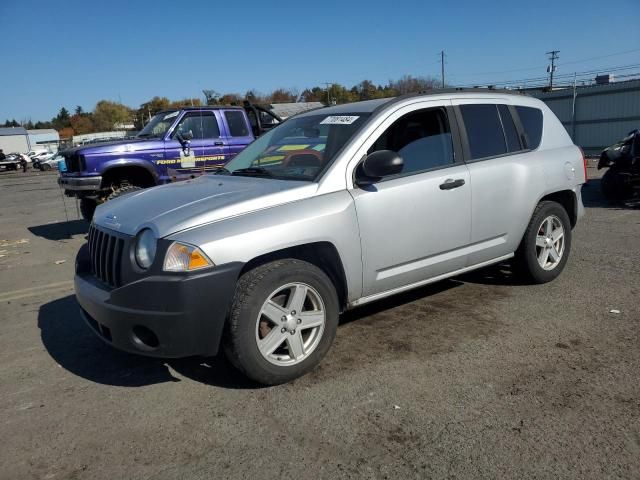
(502, 173)
(237, 130)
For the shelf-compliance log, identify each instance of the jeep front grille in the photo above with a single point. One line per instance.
(106, 256)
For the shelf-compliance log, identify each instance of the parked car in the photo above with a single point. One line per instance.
(370, 199)
(38, 157)
(175, 145)
(51, 163)
(621, 182)
(14, 161)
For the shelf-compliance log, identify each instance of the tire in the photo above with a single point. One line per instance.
(46, 167)
(122, 190)
(613, 186)
(530, 255)
(248, 327)
(87, 208)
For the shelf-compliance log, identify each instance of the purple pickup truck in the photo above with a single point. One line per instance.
(175, 145)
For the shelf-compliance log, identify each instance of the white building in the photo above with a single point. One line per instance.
(14, 139)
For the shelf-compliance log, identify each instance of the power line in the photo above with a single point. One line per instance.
(558, 76)
(539, 67)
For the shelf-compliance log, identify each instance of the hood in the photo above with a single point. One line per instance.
(178, 206)
(128, 145)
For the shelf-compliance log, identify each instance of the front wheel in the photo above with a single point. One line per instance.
(283, 320)
(545, 246)
(87, 208)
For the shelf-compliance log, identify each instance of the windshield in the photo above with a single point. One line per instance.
(298, 149)
(158, 125)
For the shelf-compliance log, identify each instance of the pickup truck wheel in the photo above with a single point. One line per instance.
(283, 320)
(545, 246)
(123, 190)
(87, 208)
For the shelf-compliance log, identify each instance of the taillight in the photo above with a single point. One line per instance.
(584, 163)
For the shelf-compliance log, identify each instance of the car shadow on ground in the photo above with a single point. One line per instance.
(61, 230)
(74, 346)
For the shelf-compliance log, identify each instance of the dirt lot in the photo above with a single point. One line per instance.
(477, 377)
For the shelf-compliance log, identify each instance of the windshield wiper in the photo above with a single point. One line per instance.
(222, 171)
(258, 171)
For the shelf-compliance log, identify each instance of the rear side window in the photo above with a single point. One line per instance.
(237, 124)
(510, 132)
(484, 130)
(531, 120)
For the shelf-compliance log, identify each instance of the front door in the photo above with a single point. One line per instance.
(190, 158)
(415, 225)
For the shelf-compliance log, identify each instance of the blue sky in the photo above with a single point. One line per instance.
(70, 53)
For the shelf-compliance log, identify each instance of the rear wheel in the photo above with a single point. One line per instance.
(545, 246)
(283, 320)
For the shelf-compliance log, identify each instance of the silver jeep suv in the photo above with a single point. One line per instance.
(332, 209)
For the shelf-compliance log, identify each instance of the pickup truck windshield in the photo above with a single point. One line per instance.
(158, 125)
(298, 149)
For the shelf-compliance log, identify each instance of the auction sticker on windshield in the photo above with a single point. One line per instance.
(339, 120)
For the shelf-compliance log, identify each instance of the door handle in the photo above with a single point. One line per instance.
(450, 184)
(218, 144)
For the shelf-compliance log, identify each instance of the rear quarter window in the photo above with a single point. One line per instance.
(531, 120)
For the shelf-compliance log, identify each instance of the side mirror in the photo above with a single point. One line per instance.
(378, 165)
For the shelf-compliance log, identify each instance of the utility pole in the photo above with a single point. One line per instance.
(327, 84)
(552, 68)
(573, 110)
(442, 66)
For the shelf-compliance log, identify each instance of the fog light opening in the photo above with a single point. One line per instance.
(144, 338)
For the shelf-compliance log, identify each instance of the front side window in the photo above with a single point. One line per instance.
(422, 138)
(201, 126)
(484, 130)
(531, 120)
(236, 122)
(298, 149)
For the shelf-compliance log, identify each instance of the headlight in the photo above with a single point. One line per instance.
(145, 251)
(181, 257)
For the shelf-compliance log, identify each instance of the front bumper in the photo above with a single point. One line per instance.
(80, 183)
(168, 315)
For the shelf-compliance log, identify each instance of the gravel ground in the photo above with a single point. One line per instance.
(476, 377)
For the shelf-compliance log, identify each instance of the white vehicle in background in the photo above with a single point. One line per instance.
(51, 163)
(40, 157)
